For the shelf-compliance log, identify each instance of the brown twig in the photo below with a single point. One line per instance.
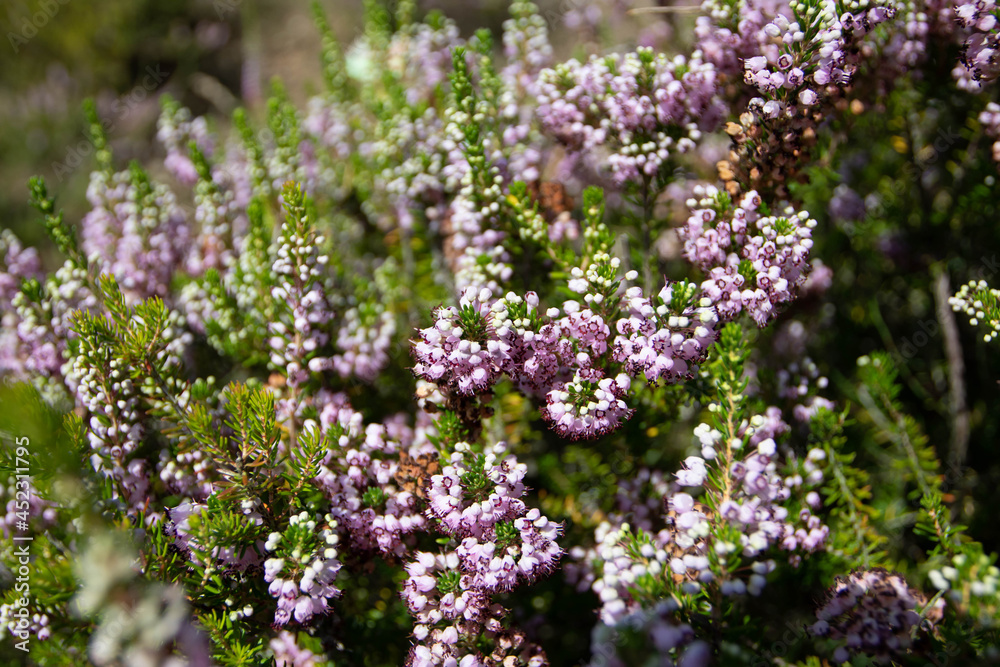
(957, 405)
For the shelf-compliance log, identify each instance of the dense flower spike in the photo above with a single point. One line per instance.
(19, 264)
(135, 231)
(729, 33)
(526, 46)
(476, 492)
(411, 153)
(221, 192)
(109, 399)
(362, 481)
(470, 346)
(299, 333)
(755, 263)
(434, 592)
(176, 130)
(510, 552)
(876, 613)
(502, 544)
(666, 338)
(728, 511)
(460, 350)
(303, 569)
(643, 107)
(588, 406)
(797, 62)
(41, 319)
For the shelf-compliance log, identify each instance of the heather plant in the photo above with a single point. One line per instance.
(491, 356)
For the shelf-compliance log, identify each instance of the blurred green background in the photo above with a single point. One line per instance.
(210, 54)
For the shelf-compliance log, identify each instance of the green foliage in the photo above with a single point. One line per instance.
(235, 645)
(55, 224)
(98, 137)
(334, 66)
(878, 393)
(847, 492)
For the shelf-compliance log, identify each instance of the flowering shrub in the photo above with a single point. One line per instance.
(488, 356)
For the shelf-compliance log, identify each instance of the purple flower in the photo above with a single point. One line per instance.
(461, 351)
(659, 342)
(635, 104)
(584, 408)
(874, 613)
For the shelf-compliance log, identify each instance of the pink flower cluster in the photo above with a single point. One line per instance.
(729, 33)
(694, 547)
(299, 332)
(135, 231)
(642, 107)
(366, 461)
(541, 351)
(796, 60)
(664, 338)
(176, 129)
(756, 492)
(502, 544)
(799, 61)
(18, 263)
(433, 593)
(875, 612)
(114, 404)
(516, 551)
(587, 406)
(303, 569)
(755, 263)
(562, 355)
(501, 482)
(459, 352)
(26, 343)
(221, 192)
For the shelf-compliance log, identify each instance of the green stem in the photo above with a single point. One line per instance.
(853, 502)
